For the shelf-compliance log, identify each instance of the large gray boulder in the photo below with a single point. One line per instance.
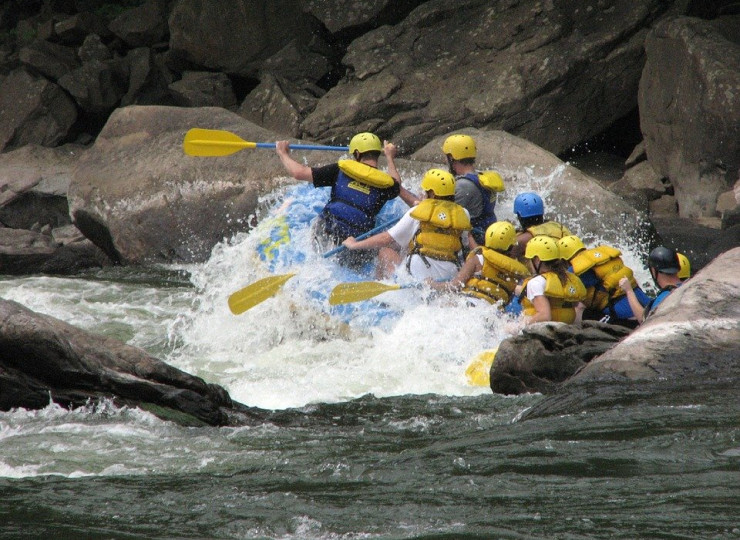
(43, 359)
(554, 73)
(690, 109)
(141, 199)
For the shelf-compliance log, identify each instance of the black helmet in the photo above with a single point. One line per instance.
(664, 260)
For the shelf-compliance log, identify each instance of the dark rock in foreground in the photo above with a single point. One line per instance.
(43, 359)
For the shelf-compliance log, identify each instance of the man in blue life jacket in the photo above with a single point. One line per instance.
(359, 190)
(664, 266)
(474, 190)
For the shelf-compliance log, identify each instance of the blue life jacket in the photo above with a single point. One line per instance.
(487, 216)
(352, 207)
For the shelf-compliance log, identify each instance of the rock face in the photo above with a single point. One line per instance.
(546, 354)
(43, 359)
(690, 108)
(554, 73)
(138, 197)
(693, 335)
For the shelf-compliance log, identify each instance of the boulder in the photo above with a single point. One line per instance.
(584, 206)
(33, 110)
(692, 336)
(144, 25)
(554, 73)
(546, 354)
(203, 89)
(141, 199)
(43, 359)
(33, 185)
(689, 108)
(51, 251)
(237, 37)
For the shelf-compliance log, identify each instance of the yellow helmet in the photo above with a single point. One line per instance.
(500, 236)
(569, 246)
(440, 182)
(544, 247)
(459, 146)
(684, 266)
(365, 142)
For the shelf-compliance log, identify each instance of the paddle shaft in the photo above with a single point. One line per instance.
(305, 147)
(363, 236)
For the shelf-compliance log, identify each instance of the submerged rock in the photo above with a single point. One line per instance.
(43, 359)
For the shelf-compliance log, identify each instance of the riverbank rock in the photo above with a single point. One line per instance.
(546, 354)
(689, 108)
(44, 359)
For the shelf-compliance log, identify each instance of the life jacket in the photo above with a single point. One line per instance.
(549, 228)
(498, 277)
(562, 298)
(609, 268)
(356, 198)
(665, 291)
(440, 225)
(487, 184)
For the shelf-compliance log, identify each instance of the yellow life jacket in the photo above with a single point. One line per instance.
(365, 174)
(609, 268)
(551, 229)
(491, 180)
(562, 298)
(440, 225)
(498, 277)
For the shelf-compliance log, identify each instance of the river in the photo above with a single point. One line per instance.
(375, 432)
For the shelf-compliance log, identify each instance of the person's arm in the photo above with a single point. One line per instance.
(390, 150)
(376, 241)
(637, 310)
(295, 169)
(521, 243)
(579, 309)
(469, 268)
(542, 308)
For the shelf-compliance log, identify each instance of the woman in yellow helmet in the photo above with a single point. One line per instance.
(490, 274)
(430, 236)
(359, 190)
(554, 292)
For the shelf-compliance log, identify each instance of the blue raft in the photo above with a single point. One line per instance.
(284, 244)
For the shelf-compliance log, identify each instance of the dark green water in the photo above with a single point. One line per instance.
(666, 466)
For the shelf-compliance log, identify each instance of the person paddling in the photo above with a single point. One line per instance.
(490, 274)
(529, 209)
(554, 292)
(600, 269)
(664, 266)
(430, 236)
(359, 190)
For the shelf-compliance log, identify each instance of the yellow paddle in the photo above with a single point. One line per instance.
(257, 292)
(217, 142)
(357, 291)
(478, 371)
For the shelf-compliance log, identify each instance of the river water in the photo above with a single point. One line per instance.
(374, 431)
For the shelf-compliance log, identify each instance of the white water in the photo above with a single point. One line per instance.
(287, 352)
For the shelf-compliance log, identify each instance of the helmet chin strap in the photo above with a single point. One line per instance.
(654, 275)
(449, 164)
(537, 266)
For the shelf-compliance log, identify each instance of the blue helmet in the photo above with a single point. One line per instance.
(528, 205)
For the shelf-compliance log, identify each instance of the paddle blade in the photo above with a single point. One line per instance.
(213, 143)
(478, 371)
(256, 293)
(346, 293)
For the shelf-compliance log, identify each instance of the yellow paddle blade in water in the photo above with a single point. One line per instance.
(346, 293)
(256, 293)
(479, 369)
(213, 143)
